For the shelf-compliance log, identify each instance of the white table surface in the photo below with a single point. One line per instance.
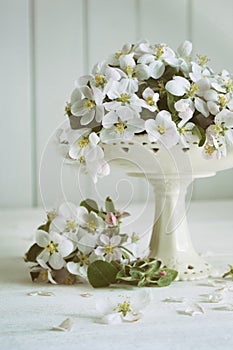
(25, 321)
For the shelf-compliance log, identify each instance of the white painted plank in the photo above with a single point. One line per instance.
(164, 21)
(110, 25)
(59, 62)
(16, 169)
(212, 29)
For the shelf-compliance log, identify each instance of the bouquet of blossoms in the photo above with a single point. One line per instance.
(149, 89)
(84, 243)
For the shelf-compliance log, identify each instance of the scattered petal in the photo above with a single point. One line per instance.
(193, 310)
(41, 293)
(227, 307)
(65, 326)
(174, 300)
(86, 295)
(213, 298)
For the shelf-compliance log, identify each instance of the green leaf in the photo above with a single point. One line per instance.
(101, 274)
(197, 130)
(109, 206)
(90, 205)
(170, 102)
(32, 253)
(167, 280)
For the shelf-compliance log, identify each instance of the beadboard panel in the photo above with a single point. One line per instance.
(54, 42)
(16, 169)
(110, 25)
(164, 21)
(59, 53)
(212, 28)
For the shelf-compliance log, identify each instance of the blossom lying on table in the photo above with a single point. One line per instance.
(84, 243)
(149, 89)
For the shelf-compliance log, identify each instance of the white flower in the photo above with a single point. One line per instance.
(115, 129)
(187, 136)
(199, 72)
(122, 99)
(101, 77)
(114, 58)
(84, 256)
(127, 64)
(185, 109)
(56, 248)
(66, 219)
(125, 309)
(89, 107)
(151, 98)
(89, 220)
(180, 86)
(108, 248)
(162, 129)
(216, 102)
(156, 59)
(224, 123)
(84, 147)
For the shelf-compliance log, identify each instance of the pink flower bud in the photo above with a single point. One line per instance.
(111, 219)
(163, 273)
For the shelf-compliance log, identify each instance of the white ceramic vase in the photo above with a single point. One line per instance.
(170, 172)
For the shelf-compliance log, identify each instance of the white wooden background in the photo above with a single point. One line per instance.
(47, 44)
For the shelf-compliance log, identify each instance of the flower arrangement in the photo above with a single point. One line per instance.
(84, 244)
(149, 89)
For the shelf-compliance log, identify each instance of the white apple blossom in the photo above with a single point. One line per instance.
(185, 109)
(90, 106)
(56, 248)
(90, 221)
(151, 98)
(126, 309)
(116, 129)
(156, 58)
(121, 97)
(109, 248)
(162, 129)
(66, 220)
(114, 58)
(128, 64)
(187, 135)
(101, 77)
(216, 102)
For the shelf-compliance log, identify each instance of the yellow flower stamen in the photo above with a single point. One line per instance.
(161, 129)
(70, 225)
(68, 109)
(182, 131)
(209, 149)
(129, 71)
(124, 98)
(193, 90)
(123, 308)
(99, 80)
(108, 249)
(118, 54)
(120, 127)
(159, 51)
(44, 275)
(52, 247)
(229, 85)
(150, 101)
(222, 100)
(83, 142)
(91, 226)
(82, 160)
(83, 259)
(89, 104)
(202, 60)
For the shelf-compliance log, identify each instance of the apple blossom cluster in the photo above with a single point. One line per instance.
(84, 244)
(153, 90)
(75, 236)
